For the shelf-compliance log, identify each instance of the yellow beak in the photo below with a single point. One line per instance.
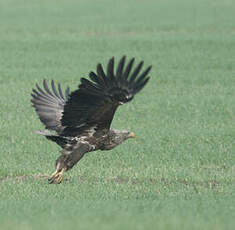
(132, 135)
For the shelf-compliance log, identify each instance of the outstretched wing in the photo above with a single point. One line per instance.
(94, 103)
(49, 105)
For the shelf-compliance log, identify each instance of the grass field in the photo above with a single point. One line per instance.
(179, 173)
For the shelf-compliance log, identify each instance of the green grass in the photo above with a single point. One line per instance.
(179, 173)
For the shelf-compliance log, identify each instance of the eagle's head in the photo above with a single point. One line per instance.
(116, 137)
(122, 135)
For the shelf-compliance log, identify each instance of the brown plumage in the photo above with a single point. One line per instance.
(81, 119)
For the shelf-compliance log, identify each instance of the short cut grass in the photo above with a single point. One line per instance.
(179, 171)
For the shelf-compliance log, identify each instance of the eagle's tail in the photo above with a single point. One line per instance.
(60, 140)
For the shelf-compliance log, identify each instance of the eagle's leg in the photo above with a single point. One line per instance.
(66, 161)
(56, 177)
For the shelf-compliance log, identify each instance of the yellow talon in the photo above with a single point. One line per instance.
(56, 177)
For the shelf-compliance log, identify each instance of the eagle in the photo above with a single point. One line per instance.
(79, 121)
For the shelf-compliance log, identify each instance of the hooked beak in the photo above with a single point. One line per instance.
(132, 135)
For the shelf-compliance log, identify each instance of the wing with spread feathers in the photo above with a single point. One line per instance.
(49, 105)
(95, 101)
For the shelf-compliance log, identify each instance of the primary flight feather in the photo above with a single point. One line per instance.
(82, 119)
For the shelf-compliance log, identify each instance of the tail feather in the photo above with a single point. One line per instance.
(60, 140)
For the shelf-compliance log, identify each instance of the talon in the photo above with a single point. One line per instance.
(56, 177)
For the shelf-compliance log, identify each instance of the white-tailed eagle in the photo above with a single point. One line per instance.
(81, 119)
